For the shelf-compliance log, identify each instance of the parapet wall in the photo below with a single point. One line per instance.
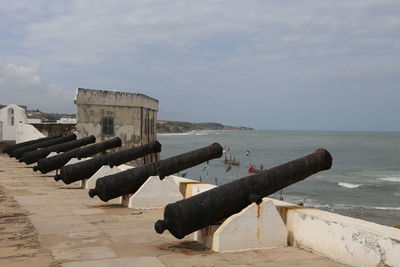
(110, 98)
(49, 129)
(343, 239)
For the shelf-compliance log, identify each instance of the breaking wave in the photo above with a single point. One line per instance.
(173, 134)
(197, 132)
(390, 179)
(348, 207)
(349, 185)
(387, 208)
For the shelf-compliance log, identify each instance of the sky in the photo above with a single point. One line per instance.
(275, 65)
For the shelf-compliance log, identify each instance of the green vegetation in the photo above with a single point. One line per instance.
(181, 126)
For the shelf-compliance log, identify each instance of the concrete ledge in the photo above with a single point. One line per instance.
(344, 239)
(192, 188)
(255, 227)
(156, 193)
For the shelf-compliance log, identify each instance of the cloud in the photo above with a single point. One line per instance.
(221, 53)
(91, 32)
(24, 85)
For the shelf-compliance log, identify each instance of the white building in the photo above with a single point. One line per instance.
(67, 120)
(10, 116)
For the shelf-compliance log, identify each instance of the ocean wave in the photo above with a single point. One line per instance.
(317, 205)
(312, 203)
(197, 132)
(349, 185)
(173, 134)
(386, 208)
(390, 179)
(349, 207)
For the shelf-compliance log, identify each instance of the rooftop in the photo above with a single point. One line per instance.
(85, 96)
(48, 223)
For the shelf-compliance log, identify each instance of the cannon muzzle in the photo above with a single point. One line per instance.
(86, 169)
(92, 193)
(129, 181)
(57, 177)
(188, 215)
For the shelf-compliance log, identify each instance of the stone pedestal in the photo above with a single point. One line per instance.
(156, 193)
(255, 227)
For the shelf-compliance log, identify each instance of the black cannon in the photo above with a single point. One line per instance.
(56, 162)
(10, 148)
(19, 152)
(86, 169)
(129, 181)
(186, 216)
(33, 156)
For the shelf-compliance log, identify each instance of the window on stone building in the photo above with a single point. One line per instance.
(107, 125)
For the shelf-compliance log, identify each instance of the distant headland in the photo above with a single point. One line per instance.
(163, 126)
(182, 127)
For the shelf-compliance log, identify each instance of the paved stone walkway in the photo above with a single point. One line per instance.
(45, 223)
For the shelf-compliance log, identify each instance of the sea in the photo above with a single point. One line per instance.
(364, 181)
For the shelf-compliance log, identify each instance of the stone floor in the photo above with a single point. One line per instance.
(45, 223)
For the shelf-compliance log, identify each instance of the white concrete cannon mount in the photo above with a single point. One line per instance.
(156, 193)
(255, 227)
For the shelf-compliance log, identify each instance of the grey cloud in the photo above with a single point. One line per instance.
(279, 56)
(24, 85)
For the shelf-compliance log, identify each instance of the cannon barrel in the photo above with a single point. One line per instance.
(56, 162)
(19, 152)
(100, 147)
(86, 169)
(188, 215)
(33, 156)
(129, 181)
(10, 148)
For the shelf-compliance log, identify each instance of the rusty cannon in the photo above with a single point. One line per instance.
(10, 148)
(188, 215)
(19, 152)
(86, 169)
(33, 156)
(46, 165)
(129, 181)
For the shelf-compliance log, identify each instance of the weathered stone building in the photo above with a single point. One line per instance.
(106, 114)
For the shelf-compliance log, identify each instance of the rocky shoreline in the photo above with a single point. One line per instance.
(182, 127)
